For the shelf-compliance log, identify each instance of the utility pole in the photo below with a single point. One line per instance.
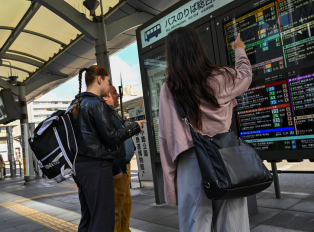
(10, 151)
(121, 96)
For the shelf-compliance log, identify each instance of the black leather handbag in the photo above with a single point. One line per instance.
(230, 167)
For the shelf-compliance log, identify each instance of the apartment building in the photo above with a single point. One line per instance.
(40, 109)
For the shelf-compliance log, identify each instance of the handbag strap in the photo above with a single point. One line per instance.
(184, 115)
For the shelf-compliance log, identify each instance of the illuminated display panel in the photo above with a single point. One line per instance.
(277, 112)
(278, 34)
(278, 115)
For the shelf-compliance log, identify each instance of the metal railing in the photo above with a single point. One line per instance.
(7, 164)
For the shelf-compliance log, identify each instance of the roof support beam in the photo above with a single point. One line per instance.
(17, 68)
(72, 16)
(35, 33)
(43, 81)
(22, 59)
(126, 23)
(26, 54)
(20, 27)
(7, 85)
(54, 57)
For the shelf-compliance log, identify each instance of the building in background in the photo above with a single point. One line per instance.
(40, 109)
(16, 132)
(132, 90)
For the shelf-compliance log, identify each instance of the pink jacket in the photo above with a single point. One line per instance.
(174, 135)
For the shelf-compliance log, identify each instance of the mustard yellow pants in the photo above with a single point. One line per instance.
(1, 173)
(123, 202)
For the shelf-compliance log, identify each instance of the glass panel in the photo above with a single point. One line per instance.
(50, 24)
(35, 45)
(4, 35)
(12, 11)
(155, 67)
(3, 112)
(205, 41)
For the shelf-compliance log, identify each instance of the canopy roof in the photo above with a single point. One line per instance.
(47, 41)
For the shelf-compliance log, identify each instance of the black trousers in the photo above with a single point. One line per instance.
(96, 194)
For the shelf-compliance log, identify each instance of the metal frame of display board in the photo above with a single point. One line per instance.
(213, 22)
(155, 159)
(270, 156)
(195, 24)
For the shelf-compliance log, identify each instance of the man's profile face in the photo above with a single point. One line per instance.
(115, 97)
(109, 100)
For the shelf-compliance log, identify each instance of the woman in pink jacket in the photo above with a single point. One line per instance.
(208, 92)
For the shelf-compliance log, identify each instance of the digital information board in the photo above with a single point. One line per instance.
(277, 112)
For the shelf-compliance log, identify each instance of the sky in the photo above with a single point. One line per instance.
(125, 62)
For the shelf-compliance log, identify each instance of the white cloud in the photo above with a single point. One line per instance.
(130, 75)
(72, 86)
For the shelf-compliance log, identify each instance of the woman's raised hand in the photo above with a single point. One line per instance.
(238, 43)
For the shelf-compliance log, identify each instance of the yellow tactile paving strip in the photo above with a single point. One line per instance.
(44, 219)
(73, 186)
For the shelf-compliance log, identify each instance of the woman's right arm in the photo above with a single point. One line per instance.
(244, 74)
(111, 138)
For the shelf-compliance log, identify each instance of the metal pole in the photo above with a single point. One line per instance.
(20, 168)
(31, 127)
(121, 97)
(276, 180)
(106, 51)
(10, 151)
(29, 176)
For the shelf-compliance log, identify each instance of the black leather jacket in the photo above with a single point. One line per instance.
(96, 132)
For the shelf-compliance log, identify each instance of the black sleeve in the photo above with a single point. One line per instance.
(102, 119)
(116, 167)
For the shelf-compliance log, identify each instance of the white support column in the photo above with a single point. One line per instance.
(29, 176)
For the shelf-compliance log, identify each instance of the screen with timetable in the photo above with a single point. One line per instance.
(278, 115)
(278, 34)
(277, 111)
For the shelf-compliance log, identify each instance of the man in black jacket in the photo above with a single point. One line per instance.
(121, 171)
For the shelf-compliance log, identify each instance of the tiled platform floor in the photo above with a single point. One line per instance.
(47, 206)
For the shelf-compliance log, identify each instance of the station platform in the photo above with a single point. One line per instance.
(48, 206)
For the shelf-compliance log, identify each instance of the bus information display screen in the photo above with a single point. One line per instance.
(278, 34)
(279, 115)
(277, 112)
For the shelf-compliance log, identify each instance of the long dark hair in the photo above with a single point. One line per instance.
(91, 74)
(189, 68)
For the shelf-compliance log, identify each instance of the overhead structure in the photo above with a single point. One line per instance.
(44, 43)
(48, 41)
